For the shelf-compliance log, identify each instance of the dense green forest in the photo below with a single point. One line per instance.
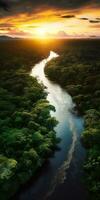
(27, 136)
(77, 70)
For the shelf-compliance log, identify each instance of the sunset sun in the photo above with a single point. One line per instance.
(41, 33)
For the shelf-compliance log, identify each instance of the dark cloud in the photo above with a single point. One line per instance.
(14, 7)
(71, 4)
(56, 3)
(94, 21)
(29, 5)
(98, 18)
(67, 16)
(83, 18)
(4, 5)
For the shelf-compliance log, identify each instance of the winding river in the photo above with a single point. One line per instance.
(60, 178)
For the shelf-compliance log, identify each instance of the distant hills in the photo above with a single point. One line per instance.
(4, 37)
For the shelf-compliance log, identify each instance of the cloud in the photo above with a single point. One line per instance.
(6, 25)
(67, 16)
(62, 34)
(4, 5)
(16, 33)
(25, 15)
(32, 26)
(83, 18)
(94, 21)
(59, 34)
(21, 6)
(97, 26)
(71, 4)
(98, 18)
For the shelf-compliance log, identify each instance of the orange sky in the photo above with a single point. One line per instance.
(53, 22)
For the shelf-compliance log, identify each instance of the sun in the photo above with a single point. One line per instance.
(41, 33)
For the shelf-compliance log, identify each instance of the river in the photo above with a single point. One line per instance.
(60, 177)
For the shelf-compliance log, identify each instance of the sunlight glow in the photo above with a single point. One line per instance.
(41, 33)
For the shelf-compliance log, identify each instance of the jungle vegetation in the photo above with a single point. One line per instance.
(27, 136)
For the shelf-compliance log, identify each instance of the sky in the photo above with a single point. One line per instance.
(50, 18)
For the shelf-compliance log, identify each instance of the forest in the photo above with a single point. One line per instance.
(77, 70)
(27, 136)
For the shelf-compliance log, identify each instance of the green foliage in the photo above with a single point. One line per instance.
(7, 167)
(27, 136)
(91, 137)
